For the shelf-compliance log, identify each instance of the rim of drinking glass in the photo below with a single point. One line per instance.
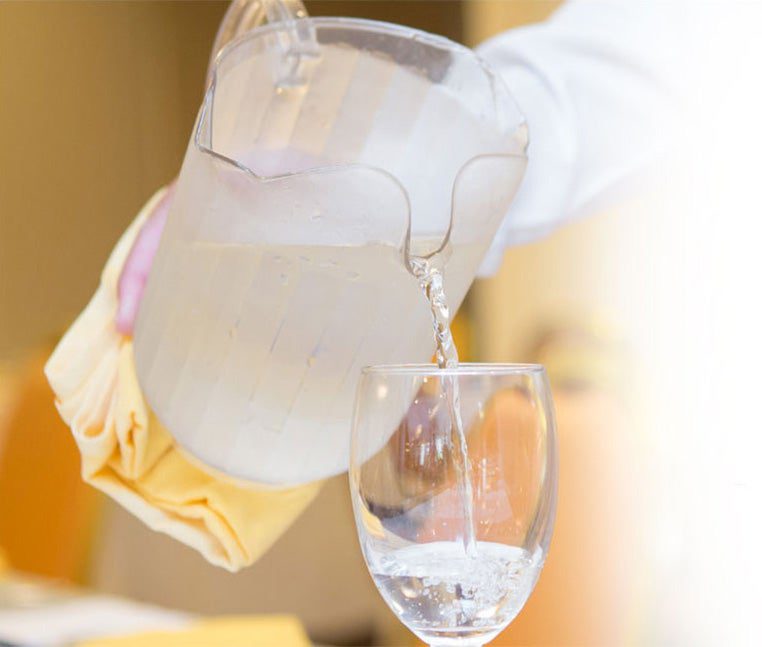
(465, 368)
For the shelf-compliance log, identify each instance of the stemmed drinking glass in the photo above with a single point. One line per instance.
(454, 546)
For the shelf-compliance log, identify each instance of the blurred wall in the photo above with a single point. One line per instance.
(485, 18)
(96, 104)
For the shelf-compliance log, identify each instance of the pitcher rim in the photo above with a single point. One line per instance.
(389, 28)
(366, 24)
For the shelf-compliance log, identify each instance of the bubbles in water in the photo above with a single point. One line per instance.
(435, 588)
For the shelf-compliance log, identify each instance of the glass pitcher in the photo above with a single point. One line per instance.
(327, 153)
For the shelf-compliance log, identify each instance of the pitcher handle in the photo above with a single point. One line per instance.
(297, 42)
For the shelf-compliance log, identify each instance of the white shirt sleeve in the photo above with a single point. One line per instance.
(597, 84)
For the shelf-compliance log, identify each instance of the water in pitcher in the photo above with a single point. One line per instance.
(273, 337)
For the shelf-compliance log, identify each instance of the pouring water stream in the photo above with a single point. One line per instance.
(430, 278)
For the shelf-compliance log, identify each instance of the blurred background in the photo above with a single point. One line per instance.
(97, 101)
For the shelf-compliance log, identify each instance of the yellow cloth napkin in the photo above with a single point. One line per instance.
(264, 631)
(127, 453)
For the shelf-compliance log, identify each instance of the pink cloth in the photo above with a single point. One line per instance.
(135, 272)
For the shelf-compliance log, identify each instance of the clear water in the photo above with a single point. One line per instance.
(444, 595)
(251, 354)
(432, 283)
